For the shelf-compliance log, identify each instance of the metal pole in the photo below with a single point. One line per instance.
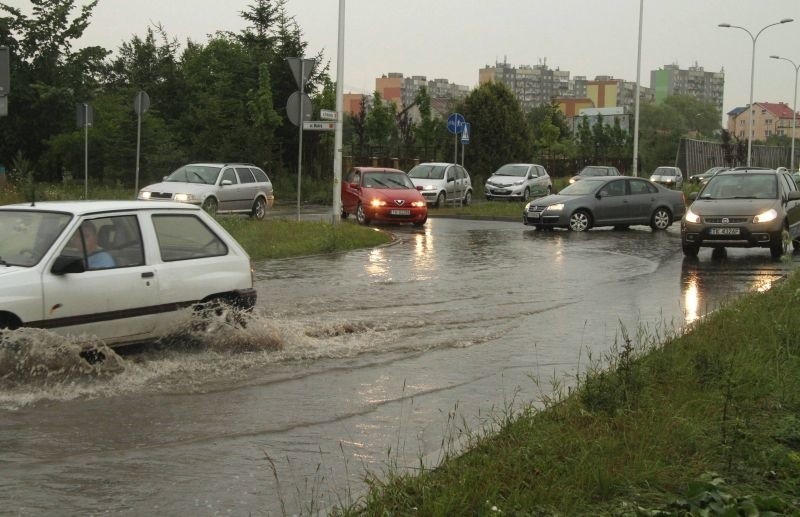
(138, 142)
(85, 150)
(636, 102)
(300, 138)
(337, 139)
(794, 108)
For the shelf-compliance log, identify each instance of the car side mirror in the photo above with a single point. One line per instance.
(164, 178)
(226, 182)
(601, 194)
(67, 264)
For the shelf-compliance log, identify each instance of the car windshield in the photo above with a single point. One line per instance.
(206, 174)
(741, 186)
(26, 235)
(665, 171)
(512, 170)
(427, 172)
(594, 171)
(387, 180)
(582, 188)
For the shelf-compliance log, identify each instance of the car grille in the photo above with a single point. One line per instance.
(725, 220)
(536, 208)
(160, 195)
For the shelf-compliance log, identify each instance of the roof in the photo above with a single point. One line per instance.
(780, 110)
(89, 207)
(737, 110)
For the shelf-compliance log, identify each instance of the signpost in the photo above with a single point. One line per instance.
(5, 80)
(301, 70)
(464, 140)
(455, 124)
(141, 103)
(84, 116)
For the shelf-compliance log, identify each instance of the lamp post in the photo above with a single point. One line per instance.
(752, 76)
(794, 107)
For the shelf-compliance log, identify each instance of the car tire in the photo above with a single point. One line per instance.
(468, 198)
(361, 215)
(526, 196)
(217, 312)
(661, 219)
(580, 221)
(440, 200)
(690, 250)
(259, 209)
(489, 198)
(210, 205)
(549, 190)
(778, 248)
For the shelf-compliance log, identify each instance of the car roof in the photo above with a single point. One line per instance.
(754, 170)
(378, 169)
(435, 163)
(91, 207)
(219, 164)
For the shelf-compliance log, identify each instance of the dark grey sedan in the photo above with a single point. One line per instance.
(607, 201)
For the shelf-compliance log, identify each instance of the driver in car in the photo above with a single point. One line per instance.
(96, 257)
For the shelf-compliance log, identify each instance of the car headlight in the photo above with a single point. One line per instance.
(527, 206)
(144, 195)
(418, 204)
(765, 217)
(571, 181)
(691, 216)
(518, 183)
(430, 187)
(183, 198)
(555, 208)
(377, 202)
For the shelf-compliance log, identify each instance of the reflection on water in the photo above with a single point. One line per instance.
(424, 253)
(376, 265)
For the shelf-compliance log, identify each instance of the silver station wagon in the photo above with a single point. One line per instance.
(217, 187)
(115, 270)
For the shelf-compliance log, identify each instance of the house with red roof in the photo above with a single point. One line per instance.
(769, 119)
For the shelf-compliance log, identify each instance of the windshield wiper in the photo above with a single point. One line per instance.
(202, 179)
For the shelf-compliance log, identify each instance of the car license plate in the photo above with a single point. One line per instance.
(534, 215)
(400, 212)
(724, 231)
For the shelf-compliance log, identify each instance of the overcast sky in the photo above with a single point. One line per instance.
(453, 39)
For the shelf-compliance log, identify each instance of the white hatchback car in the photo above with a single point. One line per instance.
(217, 187)
(518, 181)
(116, 270)
(442, 182)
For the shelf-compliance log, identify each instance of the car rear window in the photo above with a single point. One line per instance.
(185, 237)
(245, 175)
(260, 175)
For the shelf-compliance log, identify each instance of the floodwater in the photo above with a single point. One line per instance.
(353, 362)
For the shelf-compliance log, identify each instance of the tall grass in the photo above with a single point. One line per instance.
(653, 427)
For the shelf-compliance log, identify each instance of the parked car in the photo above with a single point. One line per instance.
(702, 178)
(218, 187)
(442, 182)
(518, 181)
(607, 201)
(671, 177)
(116, 270)
(744, 208)
(376, 194)
(591, 171)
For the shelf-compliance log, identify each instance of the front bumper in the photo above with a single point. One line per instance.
(747, 235)
(411, 214)
(504, 192)
(541, 218)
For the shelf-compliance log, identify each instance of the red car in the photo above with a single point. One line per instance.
(378, 194)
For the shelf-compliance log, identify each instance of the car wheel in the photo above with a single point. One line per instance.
(210, 205)
(468, 198)
(580, 221)
(218, 312)
(361, 215)
(778, 248)
(440, 199)
(661, 219)
(420, 223)
(488, 198)
(526, 196)
(690, 250)
(259, 209)
(549, 190)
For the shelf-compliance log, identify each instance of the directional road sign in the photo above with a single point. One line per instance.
(465, 134)
(318, 125)
(327, 114)
(455, 123)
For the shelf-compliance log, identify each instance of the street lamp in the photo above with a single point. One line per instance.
(752, 75)
(794, 108)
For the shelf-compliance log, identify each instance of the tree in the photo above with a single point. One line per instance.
(380, 125)
(500, 132)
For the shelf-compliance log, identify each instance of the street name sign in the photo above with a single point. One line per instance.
(318, 125)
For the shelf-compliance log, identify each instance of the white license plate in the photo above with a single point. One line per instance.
(724, 231)
(400, 212)
(534, 215)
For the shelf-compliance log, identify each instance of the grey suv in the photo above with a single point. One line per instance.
(217, 187)
(744, 208)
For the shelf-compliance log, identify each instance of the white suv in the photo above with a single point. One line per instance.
(116, 270)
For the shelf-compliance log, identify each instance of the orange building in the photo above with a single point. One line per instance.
(571, 107)
(390, 87)
(603, 93)
(352, 103)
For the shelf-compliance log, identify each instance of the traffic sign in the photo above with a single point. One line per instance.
(293, 107)
(301, 69)
(327, 114)
(319, 125)
(455, 123)
(141, 102)
(465, 134)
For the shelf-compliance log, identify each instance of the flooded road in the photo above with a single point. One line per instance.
(353, 361)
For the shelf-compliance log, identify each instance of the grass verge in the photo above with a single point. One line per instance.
(706, 423)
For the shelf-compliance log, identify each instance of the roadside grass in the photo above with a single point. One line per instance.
(703, 423)
(281, 238)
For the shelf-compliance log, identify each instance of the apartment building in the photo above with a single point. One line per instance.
(393, 87)
(769, 119)
(533, 86)
(694, 82)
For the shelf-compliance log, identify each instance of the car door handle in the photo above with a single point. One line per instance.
(148, 274)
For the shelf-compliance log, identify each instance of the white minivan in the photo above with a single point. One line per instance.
(116, 270)
(442, 182)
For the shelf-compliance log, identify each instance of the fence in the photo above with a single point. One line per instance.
(696, 156)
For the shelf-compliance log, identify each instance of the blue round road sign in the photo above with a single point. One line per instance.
(455, 123)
